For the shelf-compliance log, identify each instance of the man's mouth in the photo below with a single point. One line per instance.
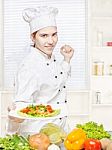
(49, 46)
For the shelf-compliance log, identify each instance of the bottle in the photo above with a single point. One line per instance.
(98, 97)
(99, 38)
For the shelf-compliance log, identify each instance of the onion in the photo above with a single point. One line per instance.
(105, 142)
(53, 147)
(39, 141)
(109, 147)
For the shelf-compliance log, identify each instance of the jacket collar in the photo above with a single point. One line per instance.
(41, 54)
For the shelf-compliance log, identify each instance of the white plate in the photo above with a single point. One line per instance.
(21, 105)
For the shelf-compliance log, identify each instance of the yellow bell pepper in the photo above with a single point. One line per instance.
(75, 139)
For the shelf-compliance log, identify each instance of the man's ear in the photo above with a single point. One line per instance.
(32, 37)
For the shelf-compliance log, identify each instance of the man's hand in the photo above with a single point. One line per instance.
(17, 120)
(67, 51)
(13, 107)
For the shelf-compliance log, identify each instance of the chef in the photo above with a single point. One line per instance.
(40, 78)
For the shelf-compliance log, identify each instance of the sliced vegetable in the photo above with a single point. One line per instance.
(49, 108)
(92, 144)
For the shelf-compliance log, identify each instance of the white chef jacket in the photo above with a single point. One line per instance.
(43, 81)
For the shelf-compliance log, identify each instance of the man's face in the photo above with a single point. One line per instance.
(46, 39)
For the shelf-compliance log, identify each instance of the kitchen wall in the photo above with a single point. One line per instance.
(1, 41)
(1, 48)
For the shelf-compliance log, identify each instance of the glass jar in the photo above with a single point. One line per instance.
(110, 69)
(98, 68)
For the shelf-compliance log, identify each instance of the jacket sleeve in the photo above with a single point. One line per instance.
(66, 68)
(26, 84)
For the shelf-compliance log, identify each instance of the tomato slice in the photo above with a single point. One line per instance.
(25, 110)
(49, 109)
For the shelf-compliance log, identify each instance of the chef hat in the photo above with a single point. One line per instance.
(40, 17)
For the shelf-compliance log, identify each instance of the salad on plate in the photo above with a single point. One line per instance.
(38, 111)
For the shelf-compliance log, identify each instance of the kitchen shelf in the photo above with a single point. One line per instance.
(102, 105)
(95, 18)
(105, 48)
(102, 76)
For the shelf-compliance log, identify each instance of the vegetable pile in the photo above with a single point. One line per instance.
(93, 130)
(14, 142)
(39, 111)
(88, 136)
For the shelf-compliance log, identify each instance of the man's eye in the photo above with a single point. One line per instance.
(44, 35)
(55, 34)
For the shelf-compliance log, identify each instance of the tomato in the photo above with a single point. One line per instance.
(92, 144)
(25, 110)
(49, 108)
(37, 108)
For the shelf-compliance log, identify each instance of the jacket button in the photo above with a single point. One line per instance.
(57, 102)
(54, 60)
(64, 86)
(65, 101)
(47, 64)
(61, 72)
(55, 76)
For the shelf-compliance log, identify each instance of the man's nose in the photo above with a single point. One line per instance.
(50, 40)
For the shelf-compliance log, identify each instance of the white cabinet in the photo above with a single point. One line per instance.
(101, 49)
(101, 52)
(96, 104)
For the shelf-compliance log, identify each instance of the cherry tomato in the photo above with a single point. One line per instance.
(25, 110)
(49, 108)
